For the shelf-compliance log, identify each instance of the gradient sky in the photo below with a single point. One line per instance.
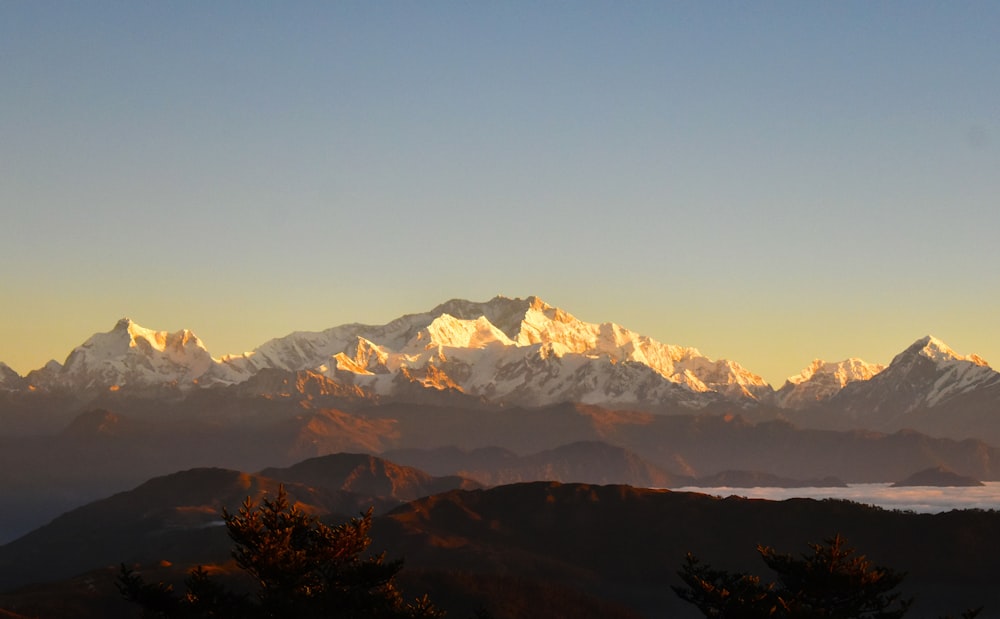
(769, 182)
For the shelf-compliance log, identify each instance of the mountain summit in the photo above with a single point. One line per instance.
(925, 378)
(129, 355)
(824, 379)
(939, 352)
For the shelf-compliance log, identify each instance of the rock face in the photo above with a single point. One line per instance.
(938, 476)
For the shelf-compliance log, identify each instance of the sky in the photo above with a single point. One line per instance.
(768, 182)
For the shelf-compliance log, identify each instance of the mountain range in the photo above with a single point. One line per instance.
(507, 390)
(519, 352)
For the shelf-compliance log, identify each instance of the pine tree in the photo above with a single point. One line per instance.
(835, 582)
(718, 593)
(830, 583)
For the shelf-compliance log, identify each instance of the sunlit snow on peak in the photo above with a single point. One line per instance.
(936, 350)
(839, 372)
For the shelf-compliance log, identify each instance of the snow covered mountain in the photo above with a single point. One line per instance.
(822, 380)
(928, 374)
(503, 351)
(510, 351)
(507, 352)
(128, 356)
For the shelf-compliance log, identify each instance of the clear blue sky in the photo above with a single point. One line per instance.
(769, 182)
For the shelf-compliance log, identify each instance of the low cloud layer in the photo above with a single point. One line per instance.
(920, 499)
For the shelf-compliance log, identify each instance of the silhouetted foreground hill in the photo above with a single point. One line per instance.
(534, 541)
(177, 518)
(626, 543)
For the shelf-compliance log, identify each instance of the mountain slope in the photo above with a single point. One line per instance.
(174, 518)
(617, 543)
(177, 517)
(622, 542)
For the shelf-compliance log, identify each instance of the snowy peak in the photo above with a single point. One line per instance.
(504, 313)
(925, 375)
(179, 344)
(840, 372)
(449, 331)
(524, 321)
(541, 324)
(939, 352)
(821, 380)
(361, 357)
(131, 355)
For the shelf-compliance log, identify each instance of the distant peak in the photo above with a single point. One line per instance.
(536, 303)
(123, 324)
(462, 308)
(7, 374)
(933, 348)
(846, 371)
(930, 340)
(936, 350)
